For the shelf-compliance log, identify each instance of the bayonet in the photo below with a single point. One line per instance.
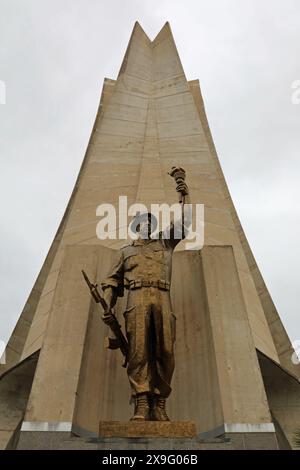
(111, 320)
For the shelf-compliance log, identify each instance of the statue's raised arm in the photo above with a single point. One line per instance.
(179, 228)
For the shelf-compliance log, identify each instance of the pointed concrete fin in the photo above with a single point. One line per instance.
(167, 60)
(138, 35)
(138, 30)
(163, 34)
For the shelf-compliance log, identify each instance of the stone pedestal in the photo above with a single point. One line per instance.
(157, 429)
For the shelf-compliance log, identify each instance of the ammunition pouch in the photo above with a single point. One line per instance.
(138, 283)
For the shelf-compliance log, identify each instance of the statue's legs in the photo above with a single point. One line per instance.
(150, 328)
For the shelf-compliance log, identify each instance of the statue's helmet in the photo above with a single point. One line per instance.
(141, 217)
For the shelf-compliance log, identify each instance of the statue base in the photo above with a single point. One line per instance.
(168, 429)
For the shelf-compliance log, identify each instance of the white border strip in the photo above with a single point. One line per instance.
(236, 428)
(62, 426)
(66, 426)
(249, 427)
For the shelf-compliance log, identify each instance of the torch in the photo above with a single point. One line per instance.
(178, 174)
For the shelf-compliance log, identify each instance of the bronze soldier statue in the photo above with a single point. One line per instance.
(144, 268)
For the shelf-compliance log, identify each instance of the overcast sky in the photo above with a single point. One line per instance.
(54, 55)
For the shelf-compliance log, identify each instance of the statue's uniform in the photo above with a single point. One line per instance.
(144, 268)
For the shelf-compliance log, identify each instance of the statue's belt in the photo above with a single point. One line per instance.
(136, 284)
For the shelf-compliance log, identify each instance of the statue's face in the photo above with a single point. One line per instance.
(145, 229)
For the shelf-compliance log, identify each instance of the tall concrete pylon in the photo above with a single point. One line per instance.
(234, 371)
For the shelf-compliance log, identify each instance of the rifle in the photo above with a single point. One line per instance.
(119, 341)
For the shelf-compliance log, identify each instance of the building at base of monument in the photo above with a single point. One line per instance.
(235, 385)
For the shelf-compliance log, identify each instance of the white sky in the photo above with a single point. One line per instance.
(54, 55)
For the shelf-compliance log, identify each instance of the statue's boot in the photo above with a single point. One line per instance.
(141, 411)
(158, 411)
